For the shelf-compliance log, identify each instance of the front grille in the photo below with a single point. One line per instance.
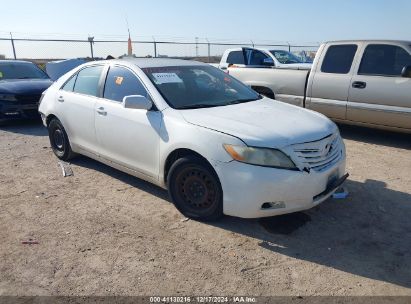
(321, 154)
(28, 99)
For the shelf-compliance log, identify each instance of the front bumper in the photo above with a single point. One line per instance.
(15, 111)
(247, 188)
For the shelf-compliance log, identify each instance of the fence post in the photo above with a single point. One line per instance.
(155, 47)
(196, 46)
(208, 50)
(289, 47)
(12, 44)
(91, 40)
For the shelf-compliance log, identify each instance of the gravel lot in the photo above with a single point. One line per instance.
(102, 232)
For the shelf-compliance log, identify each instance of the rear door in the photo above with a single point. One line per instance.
(378, 94)
(331, 80)
(76, 101)
(128, 137)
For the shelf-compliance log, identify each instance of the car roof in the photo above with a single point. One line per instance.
(382, 41)
(15, 61)
(157, 62)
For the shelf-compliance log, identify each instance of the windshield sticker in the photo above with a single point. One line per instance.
(119, 80)
(1, 75)
(161, 78)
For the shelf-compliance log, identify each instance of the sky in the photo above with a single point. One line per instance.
(262, 21)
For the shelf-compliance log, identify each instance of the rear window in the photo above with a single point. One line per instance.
(339, 58)
(235, 57)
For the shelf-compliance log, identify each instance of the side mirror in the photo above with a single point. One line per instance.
(406, 71)
(137, 102)
(268, 62)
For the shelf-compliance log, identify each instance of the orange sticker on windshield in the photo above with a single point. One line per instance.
(119, 80)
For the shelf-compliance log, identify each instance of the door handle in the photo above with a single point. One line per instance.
(101, 111)
(359, 85)
(60, 99)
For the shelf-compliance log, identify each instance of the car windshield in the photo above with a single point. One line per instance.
(191, 87)
(285, 57)
(18, 70)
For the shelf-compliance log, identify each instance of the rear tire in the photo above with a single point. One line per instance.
(59, 140)
(195, 189)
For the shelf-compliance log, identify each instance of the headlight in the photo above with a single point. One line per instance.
(8, 97)
(260, 157)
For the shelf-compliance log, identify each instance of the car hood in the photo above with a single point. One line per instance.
(264, 123)
(24, 86)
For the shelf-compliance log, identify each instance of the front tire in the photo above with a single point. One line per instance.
(195, 189)
(59, 140)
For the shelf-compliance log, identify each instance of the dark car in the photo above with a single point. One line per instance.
(21, 86)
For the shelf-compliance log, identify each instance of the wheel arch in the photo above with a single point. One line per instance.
(49, 118)
(264, 91)
(177, 154)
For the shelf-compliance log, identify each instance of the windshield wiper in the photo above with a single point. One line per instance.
(198, 106)
(243, 100)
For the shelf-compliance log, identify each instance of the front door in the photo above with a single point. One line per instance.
(128, 137)
(329, 90)
(378, 94)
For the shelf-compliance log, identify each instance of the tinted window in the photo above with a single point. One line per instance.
(380, 59)
(235, 57)
(338, 59)
(122, 82)
(87, 80)
(257, 58)
(21, 70)
(69, 86)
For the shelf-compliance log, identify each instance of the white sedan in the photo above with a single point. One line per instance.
(215, 144)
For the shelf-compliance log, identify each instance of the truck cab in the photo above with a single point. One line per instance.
(363, 82)
(262, 58)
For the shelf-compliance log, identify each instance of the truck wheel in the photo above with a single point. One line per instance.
(195, 189)
(59, 140)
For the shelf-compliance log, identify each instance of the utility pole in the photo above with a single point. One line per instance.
(91, 40)
(196, 46)
(12, 44)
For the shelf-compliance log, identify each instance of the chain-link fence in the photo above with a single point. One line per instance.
(203, 50)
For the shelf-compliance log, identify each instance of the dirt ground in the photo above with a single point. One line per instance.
(102, 232)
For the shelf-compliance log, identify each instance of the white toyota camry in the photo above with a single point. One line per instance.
(215, 144)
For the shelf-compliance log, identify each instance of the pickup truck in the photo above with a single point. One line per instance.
(356, 82)
(253, 57)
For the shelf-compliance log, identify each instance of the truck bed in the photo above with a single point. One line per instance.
(287, 85)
